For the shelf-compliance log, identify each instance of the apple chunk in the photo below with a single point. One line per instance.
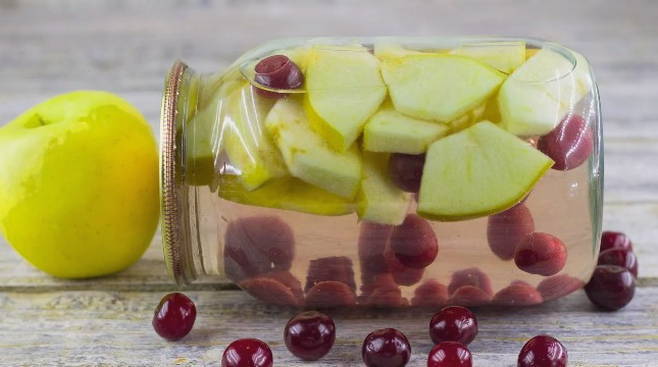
(379, 199)
(286, 193)
(344, 88)
(391, 131)
(478, 171)
(504, 56)
(439, 87)
(307, 155)
(537, 96)
(248, 146)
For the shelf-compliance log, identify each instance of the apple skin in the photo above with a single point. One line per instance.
(79, 184)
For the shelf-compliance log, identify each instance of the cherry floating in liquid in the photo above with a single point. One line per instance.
(558, 286)
(541, 253)
(403, 275)
(469, 296)
(406, 170)
(330, 293)
(386, 348)
(543, 351)
(454, 323)
(310, 335)
(518, 294)
(569, 144)
(174, 317)
(414, 242)
(430, 293)
(336, 268)
(270, 290)
(619, 257)
(611, 287)
(615, 240)
(277, 72)
(247, 353)
(505, 230)
(450, 354)
(471, 277)
(373, 238)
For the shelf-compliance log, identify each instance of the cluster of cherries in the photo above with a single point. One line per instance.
(310, 336)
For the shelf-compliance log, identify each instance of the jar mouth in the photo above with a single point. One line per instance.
(171, 209)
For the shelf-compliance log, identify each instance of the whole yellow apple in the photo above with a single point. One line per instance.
(79, 184)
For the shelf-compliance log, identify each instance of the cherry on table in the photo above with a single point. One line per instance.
(414, 242)
(277, 72)
(454, 323)
(174, 317)
(541, 253)
(543, 351)
(386, 348)
(611, 287)
(406, 170)
(569, 144)
(615, 240)
(310, 335)
(247, 353)
(450, 354)
(619, 257)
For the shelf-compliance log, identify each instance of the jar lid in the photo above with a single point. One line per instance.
(170, 204)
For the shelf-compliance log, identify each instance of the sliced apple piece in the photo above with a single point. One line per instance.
(287, 193)
(344, 88)
(307, 155)
(478, 171)
(503, 56)
(439, 87)
(391, 131)
(469, 118)
(246, 142)
(379, 199)
(387, 50)
(537, 96)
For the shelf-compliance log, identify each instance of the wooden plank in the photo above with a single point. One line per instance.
(113, 328)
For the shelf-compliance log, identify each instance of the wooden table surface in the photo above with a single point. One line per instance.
(49, 47)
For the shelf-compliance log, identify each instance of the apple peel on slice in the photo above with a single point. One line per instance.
(476, 172)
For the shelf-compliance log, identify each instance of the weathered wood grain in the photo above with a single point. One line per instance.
(113, 328)
(51, 46)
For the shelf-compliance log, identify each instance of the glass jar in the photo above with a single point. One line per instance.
(386, 172)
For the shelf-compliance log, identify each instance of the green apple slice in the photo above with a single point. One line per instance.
(344, 88)
(246, 142)
(469, 118)
(379, 199)
(386, 50)
(439, 87)
(478, 171)
(286, 193)
(391, 131)
(535, 98)
(503, 56)
(307, 155)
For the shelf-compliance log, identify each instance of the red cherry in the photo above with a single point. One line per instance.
(518, 294)
(414, 242)
(406, 170)
(373, 238)
(507, 229)
(174, 317)
(543, 351)
(286, 278)
(277, 72)
(329, 294)
(337, 268)
(541, 253)
(611, 287)
(469, 296)
(454, 323)
(430, 293)
(386, 348)
(616, 240)
(619, 257)
(450, 354)
(402, 275)
(471, 276)
(558, 286)
(270, 290)
(569, 144)
(310, 335)
(247, 353)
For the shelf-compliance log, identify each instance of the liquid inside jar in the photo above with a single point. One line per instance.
(392, 173)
